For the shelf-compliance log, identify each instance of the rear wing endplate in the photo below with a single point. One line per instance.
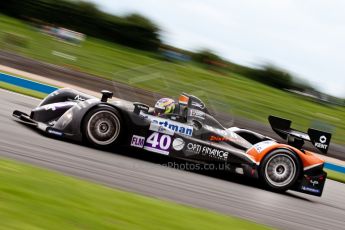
(282, 127)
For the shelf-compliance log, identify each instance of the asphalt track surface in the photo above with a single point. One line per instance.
(143, 173)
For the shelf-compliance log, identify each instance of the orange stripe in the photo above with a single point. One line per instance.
(307, 158)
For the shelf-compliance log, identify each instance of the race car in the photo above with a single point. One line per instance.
(190, 133)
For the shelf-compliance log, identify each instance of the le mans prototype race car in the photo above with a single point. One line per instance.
(190, 133)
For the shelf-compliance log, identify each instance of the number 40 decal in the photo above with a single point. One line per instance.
(159, 143)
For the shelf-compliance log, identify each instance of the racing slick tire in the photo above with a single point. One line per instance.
(102, 127)
(279, 170)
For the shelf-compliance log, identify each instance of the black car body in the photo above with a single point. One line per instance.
(191, 133)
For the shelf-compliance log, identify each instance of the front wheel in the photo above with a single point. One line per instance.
(102, 127)
(279, 170)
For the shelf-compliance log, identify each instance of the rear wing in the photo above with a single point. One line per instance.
(282, 127)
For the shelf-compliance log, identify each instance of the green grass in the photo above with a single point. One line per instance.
(337, 176)
(34, 198)
(231, 93)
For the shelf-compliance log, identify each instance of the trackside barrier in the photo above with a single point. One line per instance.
(25, 83)
(334, 167)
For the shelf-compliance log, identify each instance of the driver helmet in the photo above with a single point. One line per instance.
(164, 106)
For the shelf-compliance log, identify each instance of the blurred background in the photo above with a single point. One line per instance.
(159, 48)
(246, 59)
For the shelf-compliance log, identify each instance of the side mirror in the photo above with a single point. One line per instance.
(140, 107)
(106, 95)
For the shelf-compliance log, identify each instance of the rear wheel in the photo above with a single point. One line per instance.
(102, 127)
(279, 170)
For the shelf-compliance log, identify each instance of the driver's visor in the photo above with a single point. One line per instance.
(158, 111)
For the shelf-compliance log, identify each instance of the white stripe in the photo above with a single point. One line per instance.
(156, 150)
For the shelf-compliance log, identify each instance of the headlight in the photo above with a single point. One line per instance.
(66, 118)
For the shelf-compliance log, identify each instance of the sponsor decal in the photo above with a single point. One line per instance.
(323, 139)
(322, 142)
(261, 146)
(305, 188)
(193, 148)
(138, 141)
(158, 143)
(216, 153)
(79, 98)
(55, 132)
(161, 129)
(199, 105)
(172, 125)
(49, 107)
(178, 144)
(196, 113)
(218, 138)
(314, 182)
(206, 151)
(56, 106)
(226, 135)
